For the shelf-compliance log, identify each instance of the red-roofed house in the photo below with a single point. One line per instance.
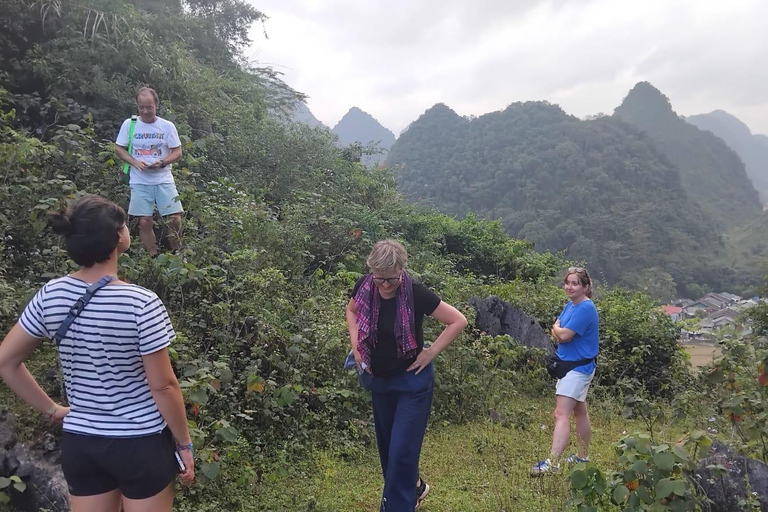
(673, 311)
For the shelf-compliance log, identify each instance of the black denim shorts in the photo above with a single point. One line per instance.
(140, 467)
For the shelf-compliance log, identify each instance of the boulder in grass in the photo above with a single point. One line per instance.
(744, 479)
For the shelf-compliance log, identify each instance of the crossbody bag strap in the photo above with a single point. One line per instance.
(126, 165)
(78, 307)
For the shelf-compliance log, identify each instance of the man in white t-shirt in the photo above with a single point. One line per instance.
(156, 146)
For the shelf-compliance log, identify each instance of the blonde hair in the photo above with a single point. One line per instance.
(387, 255)
(584, 278)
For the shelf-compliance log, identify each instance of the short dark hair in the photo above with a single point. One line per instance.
(150, 91)
(90, 228)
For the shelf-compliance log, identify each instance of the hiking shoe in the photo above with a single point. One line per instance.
(575, 459)
(421, 491)
(544, 467)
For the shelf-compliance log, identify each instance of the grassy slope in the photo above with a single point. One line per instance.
(481, 466)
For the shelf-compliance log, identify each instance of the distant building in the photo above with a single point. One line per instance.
(732, 297)
(715, 309)
(721, 318)
(674, 312)
(691, 310)
(681, 303)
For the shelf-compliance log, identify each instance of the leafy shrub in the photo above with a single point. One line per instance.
(649, 477)
(738, 383)
(640, 343)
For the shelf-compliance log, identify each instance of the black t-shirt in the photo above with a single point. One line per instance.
(384, 361)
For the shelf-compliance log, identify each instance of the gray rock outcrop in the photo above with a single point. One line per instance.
(37, 465)
(744, 477)
(496, 317)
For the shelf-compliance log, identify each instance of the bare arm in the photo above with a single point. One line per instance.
(454, 321)
(17, 346)
(173, 157)
(167, 394)
(351, 315)
(562, 334)
(122, 153)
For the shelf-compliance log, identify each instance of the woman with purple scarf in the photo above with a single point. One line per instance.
(384, 318)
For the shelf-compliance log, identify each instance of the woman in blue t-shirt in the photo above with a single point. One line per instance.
(576, 333)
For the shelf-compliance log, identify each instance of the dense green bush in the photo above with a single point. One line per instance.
(639, 343)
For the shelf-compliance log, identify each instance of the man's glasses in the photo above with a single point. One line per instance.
(389, 280)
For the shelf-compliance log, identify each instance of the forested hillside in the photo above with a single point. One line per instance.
(360, 127)
(751, 148)
(712, 173)
(598, 189)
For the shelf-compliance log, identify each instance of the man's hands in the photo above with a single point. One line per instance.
(139, 165)
(142, 166)
(157, 164)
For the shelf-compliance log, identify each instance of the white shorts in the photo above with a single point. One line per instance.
(574, 385)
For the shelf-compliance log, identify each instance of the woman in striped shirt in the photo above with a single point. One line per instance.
(125, 404)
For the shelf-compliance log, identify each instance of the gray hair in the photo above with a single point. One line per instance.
(387, 255)
(149, 90)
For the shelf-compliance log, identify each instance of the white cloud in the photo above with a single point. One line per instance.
(397, 58)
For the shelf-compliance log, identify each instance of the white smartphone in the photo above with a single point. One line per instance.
(182, 466)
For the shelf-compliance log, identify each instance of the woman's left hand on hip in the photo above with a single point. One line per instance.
(422, 360)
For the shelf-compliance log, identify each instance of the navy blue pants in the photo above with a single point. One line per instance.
(401, 407)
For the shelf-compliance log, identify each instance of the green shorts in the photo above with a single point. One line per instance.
(145, 197)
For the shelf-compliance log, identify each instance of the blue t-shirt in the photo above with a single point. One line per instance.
(581, 319)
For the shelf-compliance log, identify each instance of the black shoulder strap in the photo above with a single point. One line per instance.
(78, 307)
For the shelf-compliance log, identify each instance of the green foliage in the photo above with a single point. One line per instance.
(652, 413)
(639, 343)
(654, 281)
(10, 484)
(738, 383)
(589, 487)
(657, 476)
(275, 234)
(650, 477)
(598, 190)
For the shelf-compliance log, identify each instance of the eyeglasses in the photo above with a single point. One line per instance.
(578, 270)
(389, 280)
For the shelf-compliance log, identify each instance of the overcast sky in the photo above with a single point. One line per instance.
(396, 58)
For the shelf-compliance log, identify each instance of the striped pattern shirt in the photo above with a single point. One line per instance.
(101, 354)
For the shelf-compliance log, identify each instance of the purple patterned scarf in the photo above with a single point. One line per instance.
(368, 305)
